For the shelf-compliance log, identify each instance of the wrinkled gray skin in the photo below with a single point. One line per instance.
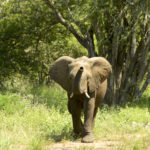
(85, 80)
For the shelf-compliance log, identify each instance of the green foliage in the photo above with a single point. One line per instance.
(30, 39)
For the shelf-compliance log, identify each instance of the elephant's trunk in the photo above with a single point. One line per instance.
(80, 84)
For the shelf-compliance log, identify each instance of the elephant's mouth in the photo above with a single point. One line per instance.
(86, 94)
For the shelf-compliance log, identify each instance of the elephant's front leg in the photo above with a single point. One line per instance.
(74, 108)
(89, 106)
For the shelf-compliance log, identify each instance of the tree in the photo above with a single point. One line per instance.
(117, 30)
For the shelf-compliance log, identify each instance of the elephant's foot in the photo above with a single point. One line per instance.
(87, 139)
(77, 135)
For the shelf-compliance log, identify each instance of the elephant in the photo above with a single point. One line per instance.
(85, 80)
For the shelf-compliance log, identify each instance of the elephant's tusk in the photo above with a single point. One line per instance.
(71, 95)
(87, 95)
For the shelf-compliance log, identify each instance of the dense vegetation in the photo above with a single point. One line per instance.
(30, 39)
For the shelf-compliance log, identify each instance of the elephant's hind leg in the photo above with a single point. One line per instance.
(74, 108)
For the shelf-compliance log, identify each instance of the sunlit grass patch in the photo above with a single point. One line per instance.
(126, 125)
(53, 96)
(36, 123)
(25, 123)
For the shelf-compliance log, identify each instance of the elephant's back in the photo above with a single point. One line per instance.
(101, 93)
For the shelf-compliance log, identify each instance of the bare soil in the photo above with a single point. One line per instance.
(77, 145)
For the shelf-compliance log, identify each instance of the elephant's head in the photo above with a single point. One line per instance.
(80, 76)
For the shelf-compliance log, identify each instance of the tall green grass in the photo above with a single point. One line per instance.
(33, 117)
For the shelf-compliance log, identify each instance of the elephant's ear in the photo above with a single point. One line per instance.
(101, 69)
(59, 71)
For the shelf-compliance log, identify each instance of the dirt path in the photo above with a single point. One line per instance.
(98, 145)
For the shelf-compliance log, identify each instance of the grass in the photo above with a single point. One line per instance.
(33, 117)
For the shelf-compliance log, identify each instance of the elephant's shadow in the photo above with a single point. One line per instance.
(64, 135)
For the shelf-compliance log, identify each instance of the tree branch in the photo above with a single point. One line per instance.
(147, 81)
(133, 41)
(68, 25)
